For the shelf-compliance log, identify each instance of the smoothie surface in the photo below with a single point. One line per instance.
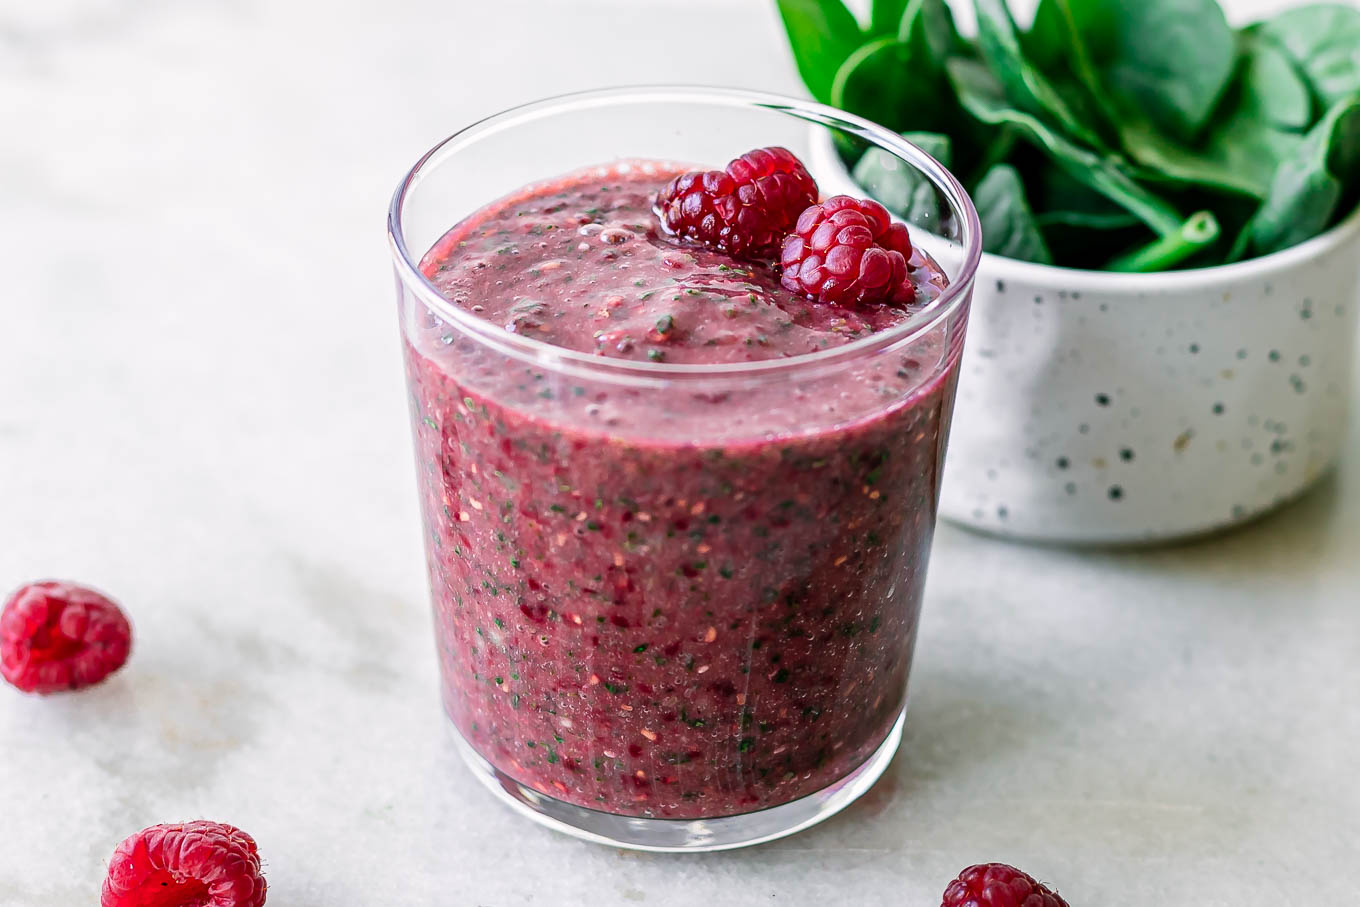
(583, 264)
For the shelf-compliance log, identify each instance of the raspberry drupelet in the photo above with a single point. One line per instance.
(57, 636)
(745, 209)
(998, 885)
(193, 864)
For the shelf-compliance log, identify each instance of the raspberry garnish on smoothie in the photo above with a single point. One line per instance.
(848, 251)
(745, 209)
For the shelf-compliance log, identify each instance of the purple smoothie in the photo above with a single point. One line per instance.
(686, 600)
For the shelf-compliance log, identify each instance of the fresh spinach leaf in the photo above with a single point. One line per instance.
(1170, 58)
(898, 80)
(1008, 226)
(1024, 85)
(996, 150)
(1163, 159)
(872, 83)
(885, 16)
(982, 97)
(1245, 140)
(927, 26)
(1277, 93)
(822, 33)
(1056, 36)
(1088, 220)
(1255, 129)
(1310, 185)
(1063, 201)
(903, 189)
(1324, 41)
(1057, 42)
(1059, 38)
(934, 144)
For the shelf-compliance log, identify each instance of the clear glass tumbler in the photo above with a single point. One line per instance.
(675, 604)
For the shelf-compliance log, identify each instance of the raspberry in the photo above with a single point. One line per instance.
(744, 210)
(998, 885)
(57, 636)
(196, 864)
(847, 251)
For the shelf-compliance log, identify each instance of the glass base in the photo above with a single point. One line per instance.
(685, 835)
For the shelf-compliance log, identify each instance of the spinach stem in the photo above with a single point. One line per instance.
(1167, 251)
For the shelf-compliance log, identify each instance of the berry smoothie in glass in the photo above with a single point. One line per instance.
(679, 423)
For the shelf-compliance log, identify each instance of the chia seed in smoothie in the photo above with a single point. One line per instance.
(679, 597)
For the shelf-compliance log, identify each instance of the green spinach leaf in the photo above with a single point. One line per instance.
(982, 97)
(1310, 185)
(822, 33)
(1255, 129)
(927, 26)
(898, 80)
(1024, 85)
(902, 189)
(1324, 41)
(1059, 39)
(1063, 201)
(1088, 220)
(1161, 159)
(1055, 44)
(1170, 58)
(1249, 135)
(1056, 36)
(1277, 92)
(885, 16)
(871, 83)
(1008, 226)
(996, 150)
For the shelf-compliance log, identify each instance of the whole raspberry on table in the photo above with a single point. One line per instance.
(194, 864)
(847, 251)
(998, 885)
(745, 209)
(57, 636)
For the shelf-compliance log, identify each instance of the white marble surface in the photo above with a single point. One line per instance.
(193, 419)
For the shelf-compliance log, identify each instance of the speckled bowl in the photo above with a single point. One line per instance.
(1103, 408)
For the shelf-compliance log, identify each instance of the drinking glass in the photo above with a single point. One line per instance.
(675, 604)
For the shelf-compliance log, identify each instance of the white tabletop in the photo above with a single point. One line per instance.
(195, 421)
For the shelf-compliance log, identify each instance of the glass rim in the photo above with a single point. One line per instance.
(547, 355)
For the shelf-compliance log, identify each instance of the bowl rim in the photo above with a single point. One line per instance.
(1084, 279)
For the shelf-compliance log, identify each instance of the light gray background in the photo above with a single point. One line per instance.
(201, 411)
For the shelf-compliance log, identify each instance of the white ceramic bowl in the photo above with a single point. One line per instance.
(1105, 408)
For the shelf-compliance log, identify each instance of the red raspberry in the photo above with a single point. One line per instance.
(57, 636)
(745, 209)
(196, 864)
(998, 885)
(848, 250)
